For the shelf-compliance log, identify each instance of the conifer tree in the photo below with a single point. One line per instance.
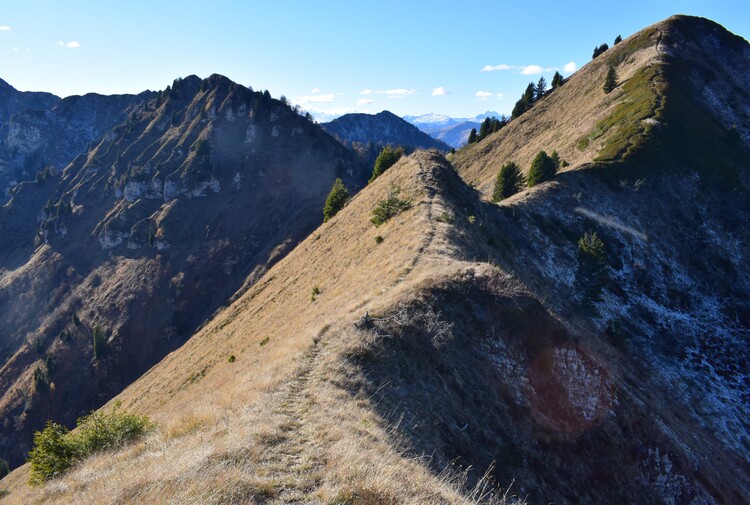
(542, 169)
(509, 182)
(385, 160)
(336, 200)
(472, 136)
(600, 50)
(541, 88)
(485, 129)
(610, 82)
(618, 39)
(557, 80)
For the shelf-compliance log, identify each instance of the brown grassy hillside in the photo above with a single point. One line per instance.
(493, 351)
(281, 421)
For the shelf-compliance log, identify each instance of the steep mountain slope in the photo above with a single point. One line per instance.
(114, 262)
(35, 138)
(13, 101)
(381, 129)
(479, 334)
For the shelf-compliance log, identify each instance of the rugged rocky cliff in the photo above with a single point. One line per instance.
(114, 261)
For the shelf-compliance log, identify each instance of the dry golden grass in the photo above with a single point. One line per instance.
(278, 424)
(558, 121)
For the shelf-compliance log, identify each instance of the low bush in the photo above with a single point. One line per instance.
(56, 448)
(392, 205)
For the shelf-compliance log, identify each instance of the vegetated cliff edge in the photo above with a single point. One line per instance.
(110, 264)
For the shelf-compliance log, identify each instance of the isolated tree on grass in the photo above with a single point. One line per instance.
(557, 80)
(542, 169)
(472, 136)
(385, 160)
(600, 50)
(485, 129)
(509, 182)
(618, 39)
(336, 200)
(610, 82)
(541, 88)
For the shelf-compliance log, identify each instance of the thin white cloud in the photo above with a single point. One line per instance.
(324, 98)
(495, 68)
(314, 91)
(16, 50)
(486, 95)
(391, 93)
(530, 69)
(332, 111)
(365, 101)
(439, 91)
(73, 44)
(534, 70)
(397, 92)
(5, 28)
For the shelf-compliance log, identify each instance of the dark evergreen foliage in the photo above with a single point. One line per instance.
(385, 160)
(542, 169)
(557, 80)
(593, 274)
(509, 182)
(610, 82)
(336, 200)
(600, 50)
(541, 88)
(472, 136)
(618, 39)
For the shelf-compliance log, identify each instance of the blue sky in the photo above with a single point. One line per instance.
(331, 57)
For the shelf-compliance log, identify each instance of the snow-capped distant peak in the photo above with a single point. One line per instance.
(428, 118)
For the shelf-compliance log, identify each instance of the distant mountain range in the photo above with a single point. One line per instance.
(452, 131)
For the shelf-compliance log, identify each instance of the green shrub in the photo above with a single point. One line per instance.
(379, 239)
(54, 452)
(232, 358)
(56, 448)
(41, 381)
(265, 341)
(445, 217)
(4, 468)
(392, 205)
(509, 182)
(385, 160)
(610, 82)
(314, 293)
(335, 200)
(593, 273)
(100, 343)
(542, 169)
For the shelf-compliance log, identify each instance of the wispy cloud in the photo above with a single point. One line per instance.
(439, 91)
(391, 93)
(486, 95)
(73, 44)
(324, 98)
(17, 50)
(5, 28)
(534, 70)
(314, 91)
(365, 101)
(529, 69)
(495, 68)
